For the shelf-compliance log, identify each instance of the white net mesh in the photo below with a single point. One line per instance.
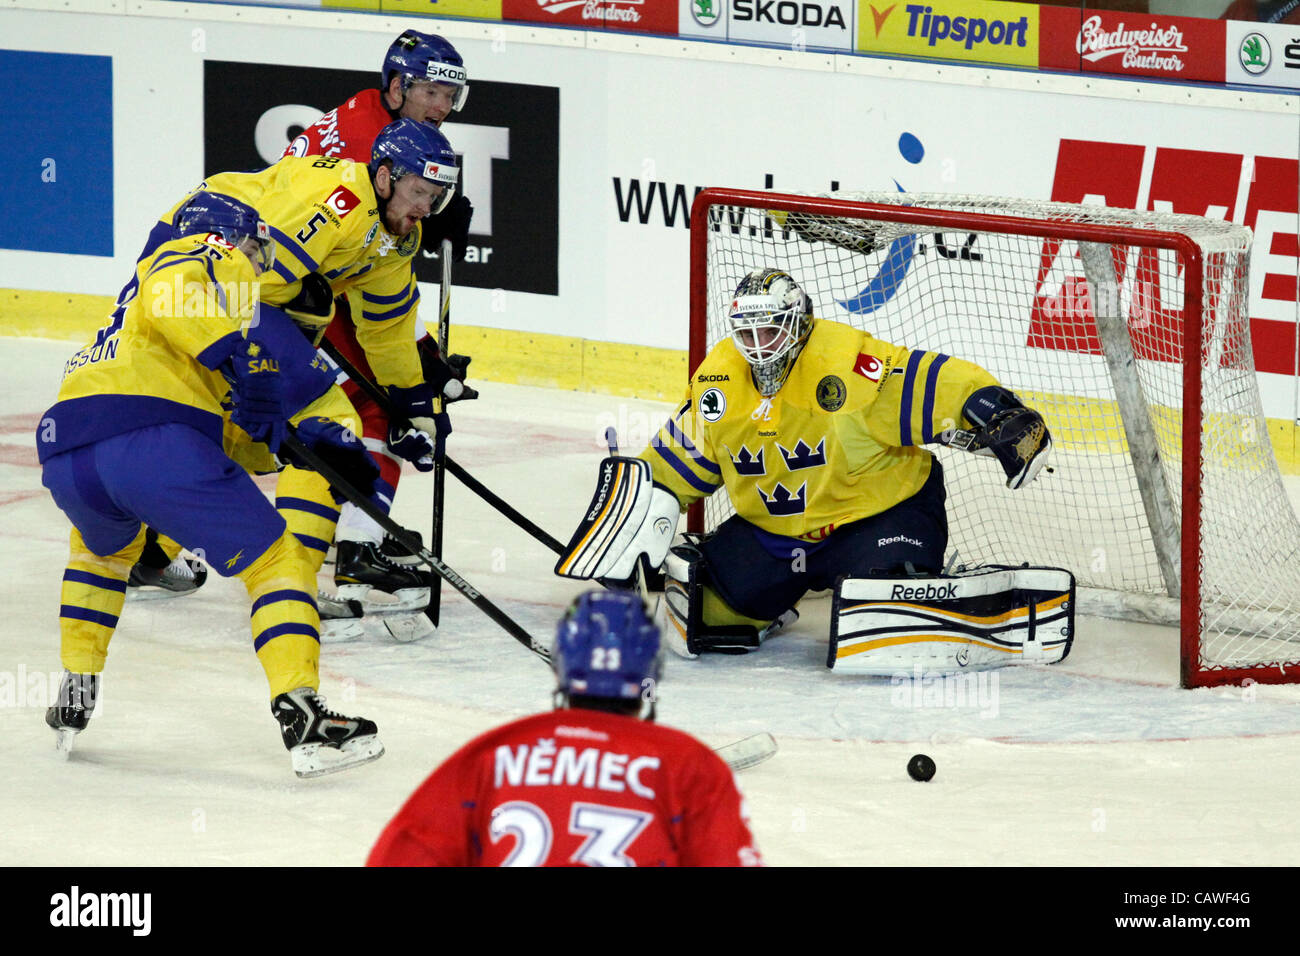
(1022, 306)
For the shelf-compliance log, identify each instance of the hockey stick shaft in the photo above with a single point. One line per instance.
(501, 505)
(439, 468)
(463, 476)
(408, 541)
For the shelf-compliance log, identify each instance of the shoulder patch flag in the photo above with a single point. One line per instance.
(869, 367)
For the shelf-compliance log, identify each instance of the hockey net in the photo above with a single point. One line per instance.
(1128, 330)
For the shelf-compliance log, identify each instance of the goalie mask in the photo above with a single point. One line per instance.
(606, 646)
(771, 318)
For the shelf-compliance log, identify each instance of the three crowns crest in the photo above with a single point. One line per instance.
(802, 456)
(781, 503)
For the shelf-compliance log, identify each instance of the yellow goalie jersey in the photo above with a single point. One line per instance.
(838, 442)
(155, 360)
(324, 217)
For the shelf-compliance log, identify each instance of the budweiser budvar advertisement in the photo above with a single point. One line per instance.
(1131, 44)
(639, 16)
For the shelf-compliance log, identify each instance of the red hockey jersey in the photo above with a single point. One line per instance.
(348, 130)
(572, 788)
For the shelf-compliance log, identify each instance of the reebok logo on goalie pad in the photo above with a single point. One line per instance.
(929, 592)
(607, 475)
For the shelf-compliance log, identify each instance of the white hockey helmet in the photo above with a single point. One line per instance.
(771, 319)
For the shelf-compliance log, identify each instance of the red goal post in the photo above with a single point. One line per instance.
(1088, 313)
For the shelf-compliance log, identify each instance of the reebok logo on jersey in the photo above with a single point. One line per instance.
(869, 367)
(897, 539)
(342, 201)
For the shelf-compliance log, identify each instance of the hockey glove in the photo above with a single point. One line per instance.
(414, 403)
(452, 223)
(312, 308)
(446, 377)
(1020, 442)
(417, 446)
(256, 392)
(342, 450)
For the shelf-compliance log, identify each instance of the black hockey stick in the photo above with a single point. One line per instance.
(464, 477)
(439, 467)
(408, 541)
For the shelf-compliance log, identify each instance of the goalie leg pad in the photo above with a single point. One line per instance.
(986, 618)
(628, 516)
(678, 612)
(695, 620)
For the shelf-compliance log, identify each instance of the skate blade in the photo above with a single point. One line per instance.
(374, 601)
(408, 628)
(331, 607)
(341, 630)
(152, 592)
(63, 742)
(316, 760)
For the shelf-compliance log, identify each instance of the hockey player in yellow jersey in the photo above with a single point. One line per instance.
(341, 227)
(136, 437)
(813, 429)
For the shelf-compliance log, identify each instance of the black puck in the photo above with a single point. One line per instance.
(920, 768)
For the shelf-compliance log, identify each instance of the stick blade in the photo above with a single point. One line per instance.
(748, 752)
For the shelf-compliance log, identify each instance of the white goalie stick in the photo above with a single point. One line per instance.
(748, 751)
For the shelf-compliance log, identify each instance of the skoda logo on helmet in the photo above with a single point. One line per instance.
(445, 73)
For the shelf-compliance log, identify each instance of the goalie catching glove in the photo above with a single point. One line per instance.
(1006, 430)
(628, 516)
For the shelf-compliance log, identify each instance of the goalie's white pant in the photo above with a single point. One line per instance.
(986, 618)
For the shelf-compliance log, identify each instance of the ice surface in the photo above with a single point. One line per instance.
(1101, 760)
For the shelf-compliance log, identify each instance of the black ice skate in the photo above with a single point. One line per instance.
(320, 741)
(399, 552)
(364, 572)
(73, 708)
(182, 576)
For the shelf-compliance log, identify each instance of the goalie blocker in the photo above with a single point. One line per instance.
(984, 618)
(629, 516)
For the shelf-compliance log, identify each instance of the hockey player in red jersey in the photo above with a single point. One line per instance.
(587, 784)
(424, 79)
